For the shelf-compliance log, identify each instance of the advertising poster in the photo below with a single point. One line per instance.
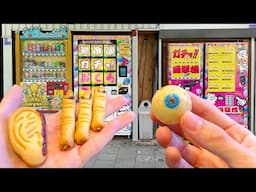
(226, 78)
(185, 66)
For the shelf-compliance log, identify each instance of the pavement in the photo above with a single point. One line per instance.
(122, 152)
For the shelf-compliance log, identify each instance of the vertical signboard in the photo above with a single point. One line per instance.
(226, 78)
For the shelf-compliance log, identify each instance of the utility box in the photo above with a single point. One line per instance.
(145, 122)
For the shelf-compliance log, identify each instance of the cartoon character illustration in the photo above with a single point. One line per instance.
(242, 57)
(240, 101)
(242, 62)
(211, 97)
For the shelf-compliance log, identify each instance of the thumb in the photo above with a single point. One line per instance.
(11, 101)
(216, 140)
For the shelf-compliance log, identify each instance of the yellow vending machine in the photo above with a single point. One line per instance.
(43, 67)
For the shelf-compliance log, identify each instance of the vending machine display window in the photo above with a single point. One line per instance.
(42, 67)
(103, 60)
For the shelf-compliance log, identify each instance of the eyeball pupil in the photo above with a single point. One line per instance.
(171, 101)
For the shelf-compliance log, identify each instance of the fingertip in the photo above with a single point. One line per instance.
(16, 86)
(163, 136)
(131, 115)
(173, 156)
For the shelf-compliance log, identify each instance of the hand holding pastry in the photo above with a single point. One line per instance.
(76, 157)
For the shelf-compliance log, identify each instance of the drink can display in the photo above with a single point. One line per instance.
(53, 47)
(61, 47)
(37, 47)
(45, 47)
(34, 47)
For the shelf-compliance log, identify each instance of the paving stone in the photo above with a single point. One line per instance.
(122, 152)
(107, 157)
(103, 164)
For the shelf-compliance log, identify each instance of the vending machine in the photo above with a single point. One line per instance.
(43, 67)
(214, 70)
(104, 60)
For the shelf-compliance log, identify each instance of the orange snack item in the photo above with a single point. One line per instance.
(98, 109)
(68, 121)
(84, 118)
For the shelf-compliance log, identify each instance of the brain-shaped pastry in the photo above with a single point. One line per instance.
(27, 134)
(169, 103)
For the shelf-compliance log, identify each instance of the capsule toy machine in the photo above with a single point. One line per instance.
(43, 67)
(104, 60)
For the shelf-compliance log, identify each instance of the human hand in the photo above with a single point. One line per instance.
(215, 140)
(79, 155)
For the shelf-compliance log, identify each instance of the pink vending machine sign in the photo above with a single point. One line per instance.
(185, 66)
(226, 78)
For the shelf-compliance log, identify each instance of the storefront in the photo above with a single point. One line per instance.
(40, 53)
(215, 64)
(179, 54)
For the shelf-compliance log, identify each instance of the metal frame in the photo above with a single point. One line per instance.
(1, 66)
(159, 63)
(207, 33)
(253, 99)
(135, 80)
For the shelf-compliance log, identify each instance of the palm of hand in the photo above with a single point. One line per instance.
(79, 154)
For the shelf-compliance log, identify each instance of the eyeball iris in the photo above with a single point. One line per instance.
(171, 101)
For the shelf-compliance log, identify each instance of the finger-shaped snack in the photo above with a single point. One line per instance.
(98, 109)
(169, 103)
(68, 121)
(84, 118)
(27, 135)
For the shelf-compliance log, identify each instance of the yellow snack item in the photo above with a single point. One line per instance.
(98, 109)
(27, 134)
(84, 118)
(169, 103)
(68, 121)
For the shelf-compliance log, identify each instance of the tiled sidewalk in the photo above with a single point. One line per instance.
(122, 152)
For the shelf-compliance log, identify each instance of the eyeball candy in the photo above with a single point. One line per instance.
(169, 103)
